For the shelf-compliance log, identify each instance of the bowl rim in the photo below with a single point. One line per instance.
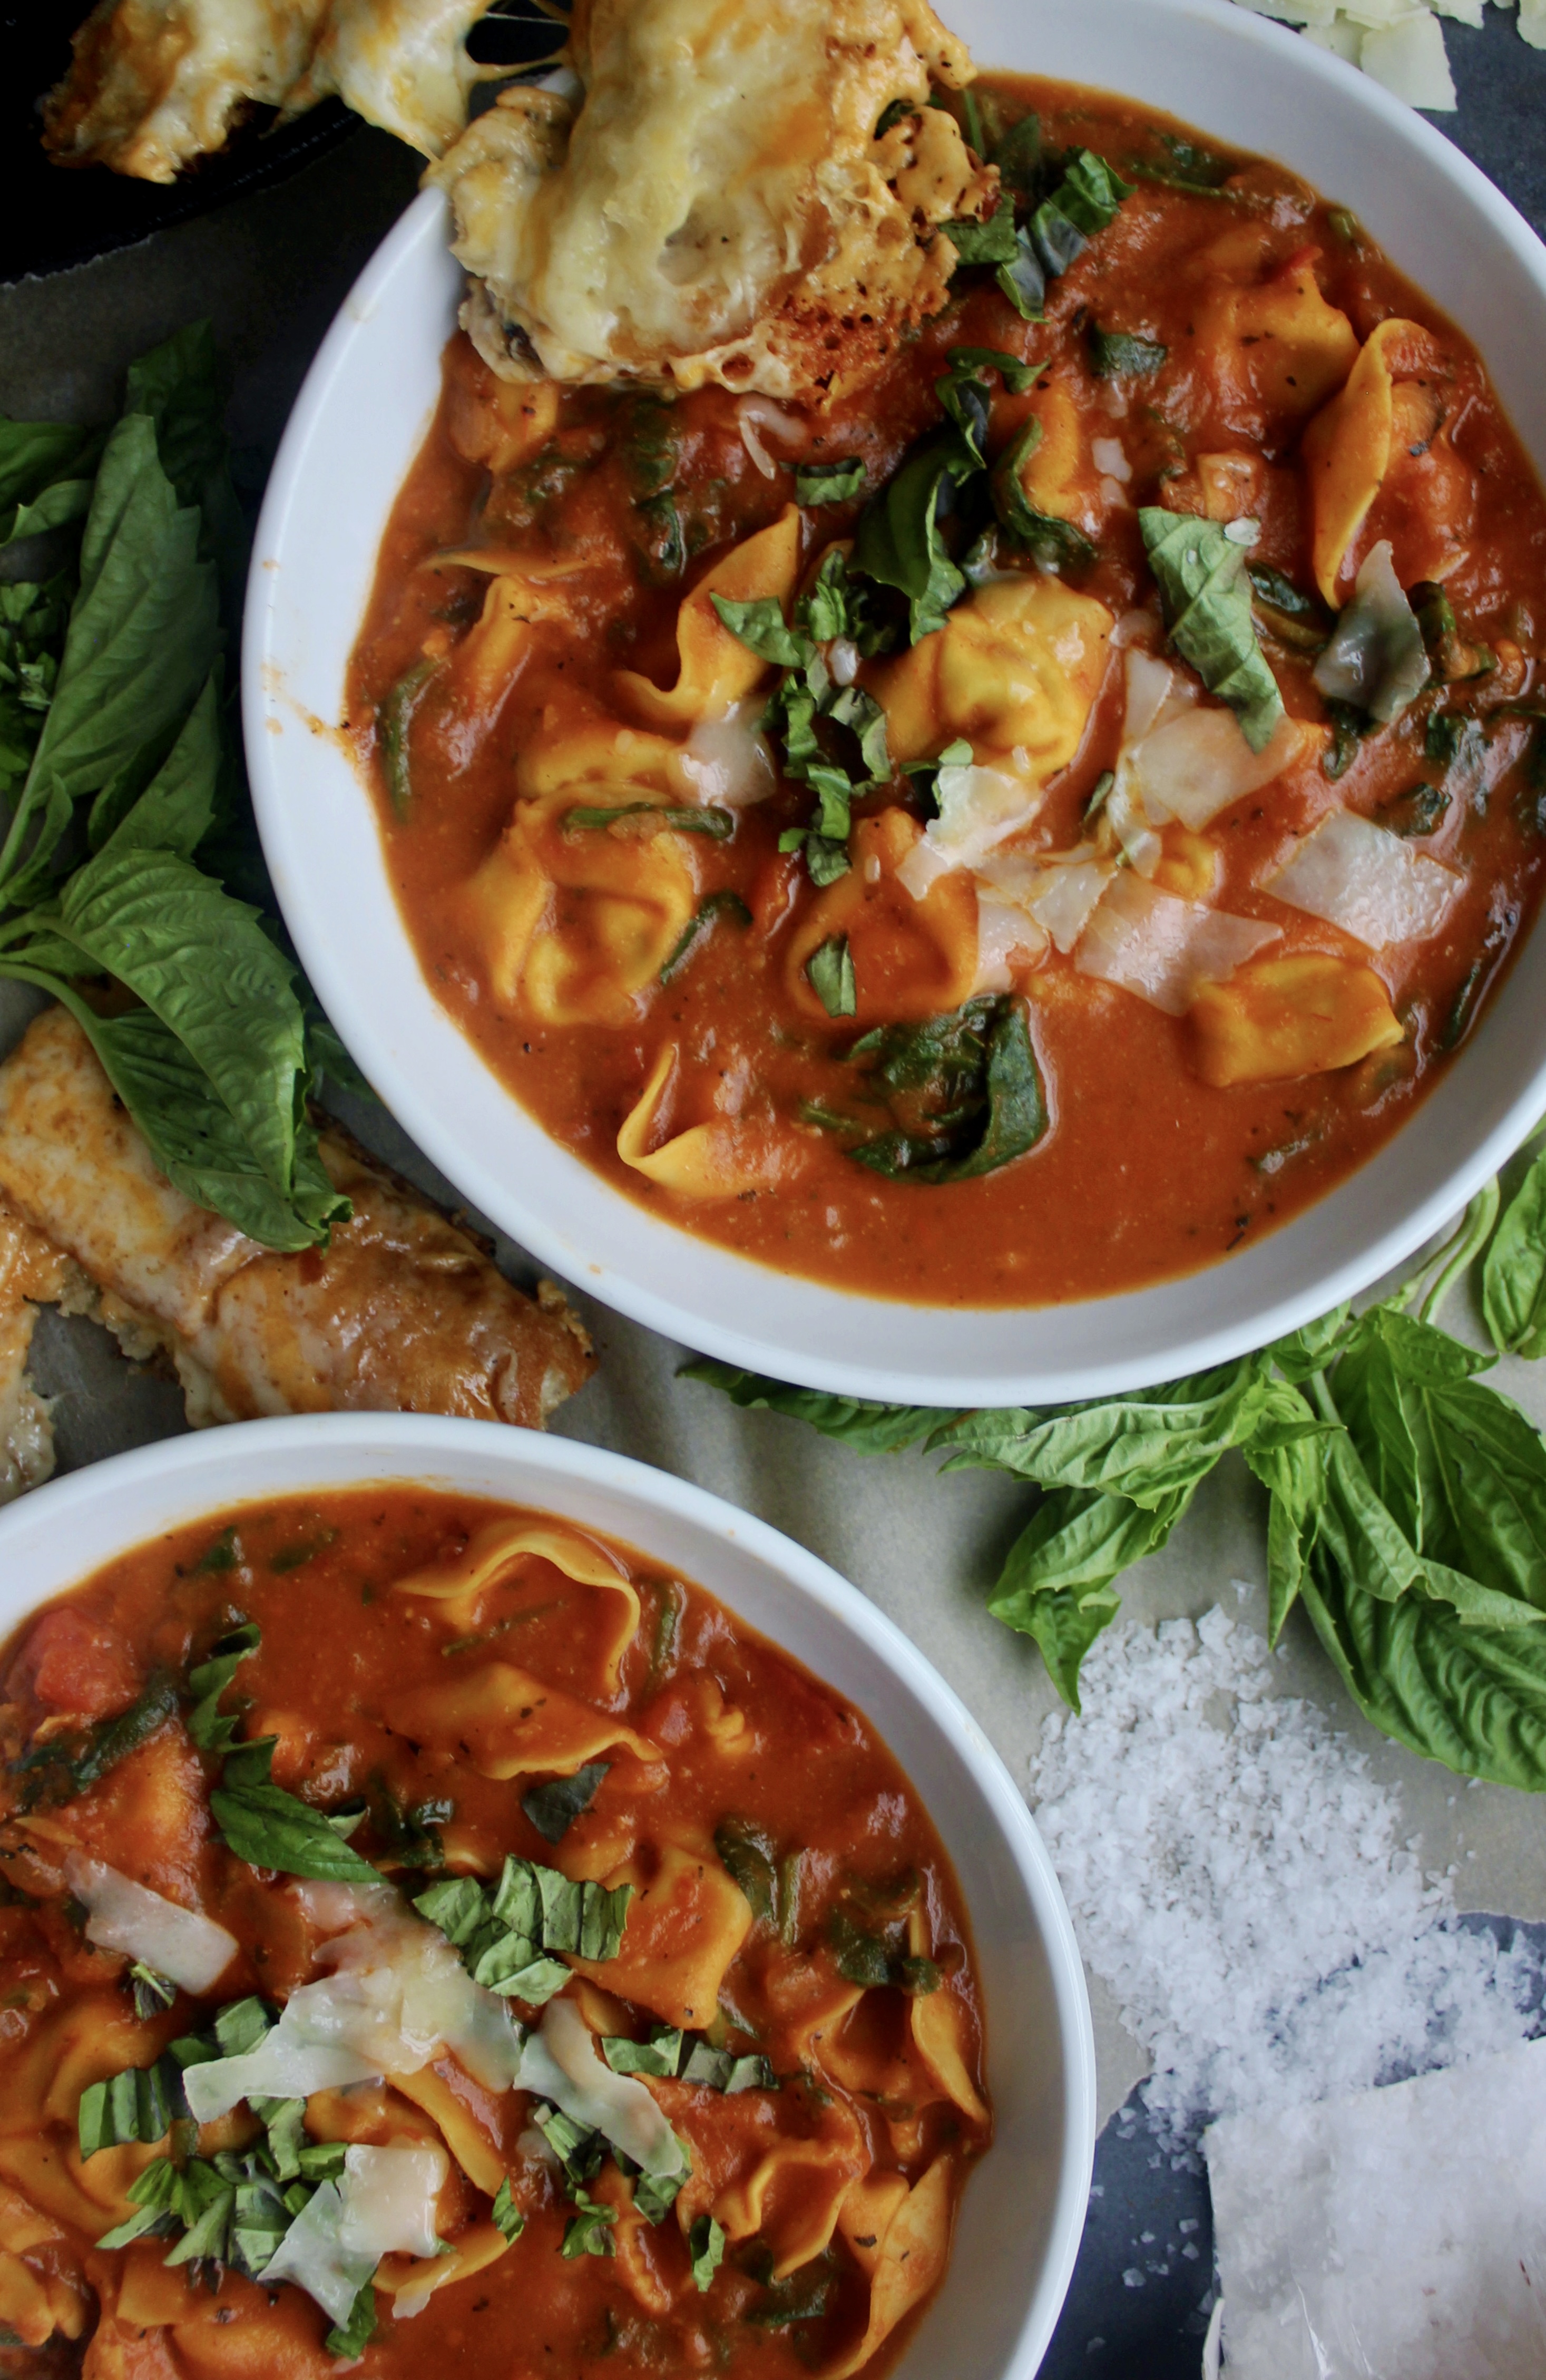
(848, 1364)
(171, 1481)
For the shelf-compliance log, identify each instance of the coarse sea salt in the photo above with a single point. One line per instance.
(1238, 1877)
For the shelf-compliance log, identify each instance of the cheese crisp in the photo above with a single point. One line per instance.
(724, 203)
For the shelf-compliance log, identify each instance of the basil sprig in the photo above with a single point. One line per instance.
(1408, 1508)
(1205, 593)
(127, 820)
(508, 1935)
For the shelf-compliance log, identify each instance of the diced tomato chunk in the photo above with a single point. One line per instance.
(71, 1663)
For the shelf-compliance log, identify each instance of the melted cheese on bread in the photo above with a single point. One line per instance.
(718, 207)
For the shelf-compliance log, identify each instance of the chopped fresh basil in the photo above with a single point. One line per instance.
(1349, 726)
(1017, 155)
(394, 720)
(1293, 617)
(708, 819)
(55, 1772)
(1419, 810)
(761, 626)
(655, 2193)
(1015, 375)
(507, 1936)
(212, 1730)
(554, 1808)
(965, 1089)
(1057, 542)
(830, 483)
(411, 1834)
(968, 404)
(718, 904)
(669, 2054)
(705, 2246)
(589, 2233)
(153, 1993)
(268, 1828)
(899, 541)
(984, 243)
(830, 972)
(1116, 355)
(350, 2339)
(505, 2213)
(743, 1851)
(296, 1557)
(877, 1962)
(804, 2297)
(1452, 657)
(579, 2148)
(1182, 165)
(222, 1553)
(1206, 594)
(896, 111)
(1085, 202)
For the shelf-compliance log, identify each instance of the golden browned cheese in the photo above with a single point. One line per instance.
(722, 206)
(157, 83)
(402, 1312)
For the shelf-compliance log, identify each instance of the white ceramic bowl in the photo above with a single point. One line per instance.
(1015, 2251)
(355, 431)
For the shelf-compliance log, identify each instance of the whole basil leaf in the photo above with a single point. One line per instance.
(176, 809)
(1147, 1446)
(203, 965)
(1513, 1275)
(867, 1428)
(65, 501)
(268, 1828)
(1056, 1584)
(35, 455)
(1472, 1697)
(984, 243)
(1205, 593)
(141, 641)
(1287, 1451)
(182, 386)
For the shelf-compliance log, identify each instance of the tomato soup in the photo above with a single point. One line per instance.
(1017, 833)
(436, 1937)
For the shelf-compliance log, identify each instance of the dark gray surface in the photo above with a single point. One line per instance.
(270, 270)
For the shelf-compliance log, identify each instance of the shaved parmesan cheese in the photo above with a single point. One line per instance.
(399, 1996)
(313, 2255)
(1149, 942)
(1007, 938)
(1056, 890)
(561, 2064)
(755, 414)
(180, 1944)
(1197, 764)
(385, 2205)
(978, 808)
(1151, 682)
(1140, 845)
(1367, 881)
(1376, 657)
(719, 205)
(1409, 60)
(728, 760)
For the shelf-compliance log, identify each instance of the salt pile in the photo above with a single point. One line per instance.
(1237, 1876)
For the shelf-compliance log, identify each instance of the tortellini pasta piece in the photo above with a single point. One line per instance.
(1015, 670)
(1058, 476)
(906, 2261)
(575, 925)
(490, 1553)
(509, 1724)
(722, 1158)
(1347, 448)
(686, 1922)
(1276, 346)
(716, 669)
(1308, 1014)
(911, 958)
(794, 2194)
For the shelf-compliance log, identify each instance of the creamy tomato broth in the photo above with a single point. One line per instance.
(432, 1933)
(1106, 799)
